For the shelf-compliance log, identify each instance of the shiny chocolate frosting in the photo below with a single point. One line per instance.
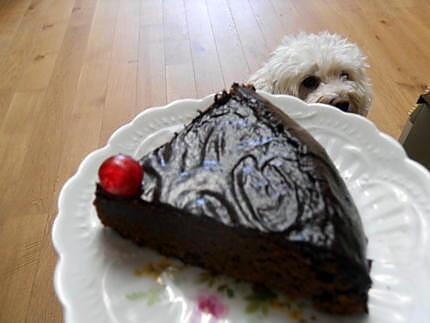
(246, 164)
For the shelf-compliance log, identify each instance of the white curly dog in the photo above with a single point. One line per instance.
(318, 68)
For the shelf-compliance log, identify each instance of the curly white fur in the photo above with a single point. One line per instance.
(337, 64)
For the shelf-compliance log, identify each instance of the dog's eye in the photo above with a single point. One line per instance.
(344, 76)
(311, 82)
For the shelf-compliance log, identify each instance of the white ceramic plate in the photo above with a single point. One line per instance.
(101, 278)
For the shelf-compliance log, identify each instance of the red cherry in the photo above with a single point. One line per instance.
(121, 175)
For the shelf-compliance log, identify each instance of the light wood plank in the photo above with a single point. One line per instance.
(230, 52)
(269, 22)
(207, 69)
(11, 15)
(180, 81)
(83, 118)
(25, 220)
(151, 89)
(251, 38)
(29, 62)
(292, 20)
(121, 95)
(41, 161)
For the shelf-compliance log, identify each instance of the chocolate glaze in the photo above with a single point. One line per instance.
(244, 163)
(243, 190)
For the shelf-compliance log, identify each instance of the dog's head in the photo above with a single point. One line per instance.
(324, 68)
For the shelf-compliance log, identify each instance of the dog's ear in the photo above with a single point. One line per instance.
(364, 86)
(278, 76)
(286, 82)
(262, 80)
(366, 92)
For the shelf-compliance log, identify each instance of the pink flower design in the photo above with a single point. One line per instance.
(211, 304)
(208, 308)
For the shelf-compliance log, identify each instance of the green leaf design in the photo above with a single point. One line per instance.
(226, 289)
(207, 278)
(135, 296)
(152, 296)
(252, 307)
(260, 299)
(222, 288)
(263, 293)
(230, 292)
(265, 308)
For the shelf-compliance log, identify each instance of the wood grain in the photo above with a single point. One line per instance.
(230, 52)
(73, 71)
(151, 88)
(180, 82)
(207, 70)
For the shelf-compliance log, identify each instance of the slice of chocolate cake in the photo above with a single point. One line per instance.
(244, 191)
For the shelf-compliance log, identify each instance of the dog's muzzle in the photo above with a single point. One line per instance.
(341, 103)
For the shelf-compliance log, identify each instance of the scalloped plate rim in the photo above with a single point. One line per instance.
(60, 246)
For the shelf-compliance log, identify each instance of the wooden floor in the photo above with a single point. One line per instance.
(72, 71)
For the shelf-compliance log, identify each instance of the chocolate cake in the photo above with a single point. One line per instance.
(244, 191)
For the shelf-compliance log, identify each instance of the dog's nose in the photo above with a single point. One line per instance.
(342, 104)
